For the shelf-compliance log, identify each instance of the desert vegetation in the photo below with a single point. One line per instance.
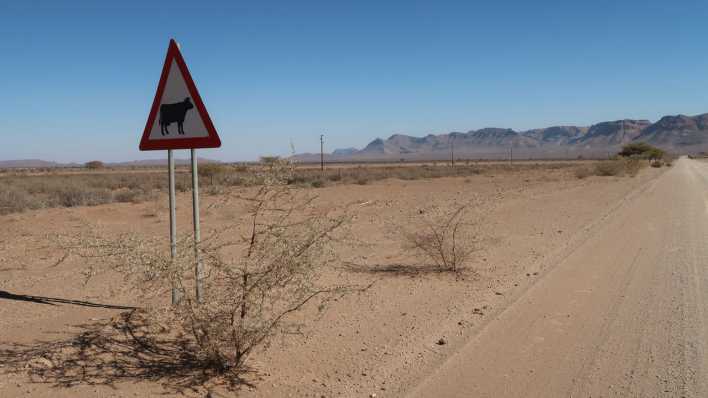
(30, 190)
(258, 271)
(628, 162)
(94, 165)
(441, 239)
(641, 150)
(614, 167)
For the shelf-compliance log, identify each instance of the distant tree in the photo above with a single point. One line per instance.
(269, 160)
(94, 165)
(211, 170)
(641, 150)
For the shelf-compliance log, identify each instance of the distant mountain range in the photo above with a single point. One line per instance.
(678, 134)
(32, 164)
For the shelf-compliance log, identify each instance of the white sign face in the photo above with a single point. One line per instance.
(177, 117)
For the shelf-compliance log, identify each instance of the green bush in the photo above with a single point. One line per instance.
(641, 150)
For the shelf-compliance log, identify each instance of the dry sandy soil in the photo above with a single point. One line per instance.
(587, 287)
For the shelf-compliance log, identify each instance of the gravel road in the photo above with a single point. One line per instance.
(624, 315)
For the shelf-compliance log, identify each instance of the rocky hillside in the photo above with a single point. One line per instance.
(681, 134)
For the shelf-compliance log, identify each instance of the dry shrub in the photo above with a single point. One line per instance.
(583, 172)
(133, 196)
(241, 168)
(335, 177)
(632, 166)
(362, 180)
(441, 239)
(609, 168)
(318, 183)
(71, 190)
(97, 187)
(15, 200)
(212, 170)
(257, 272)
(94, 165)
(73, 196)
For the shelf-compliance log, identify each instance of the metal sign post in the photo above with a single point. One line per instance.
(173, 217)
(198, 271)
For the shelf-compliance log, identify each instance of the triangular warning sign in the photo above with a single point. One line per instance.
(178, 118)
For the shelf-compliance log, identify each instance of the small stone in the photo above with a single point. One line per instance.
(441, 341)
(41, 363)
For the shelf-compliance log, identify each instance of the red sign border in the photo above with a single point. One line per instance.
(210, 141)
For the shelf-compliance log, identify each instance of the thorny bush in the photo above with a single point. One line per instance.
(442, 238)
(257, 272)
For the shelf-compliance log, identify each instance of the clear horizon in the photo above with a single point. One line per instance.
(79, 78)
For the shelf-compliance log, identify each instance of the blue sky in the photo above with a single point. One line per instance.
(78, 78)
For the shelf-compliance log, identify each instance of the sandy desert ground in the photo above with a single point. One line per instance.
(579, 287)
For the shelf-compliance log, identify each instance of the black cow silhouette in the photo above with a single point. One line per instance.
(170, 113)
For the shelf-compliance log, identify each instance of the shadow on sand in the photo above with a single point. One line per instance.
(408, 270)
(53, 301)
(124, 349)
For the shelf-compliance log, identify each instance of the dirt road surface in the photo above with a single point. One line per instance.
(624, 315)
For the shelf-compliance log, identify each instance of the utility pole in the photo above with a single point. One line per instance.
(511, 154)
(322, 151)
(452, 150)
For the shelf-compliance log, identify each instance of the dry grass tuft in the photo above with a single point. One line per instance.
(441, 239)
